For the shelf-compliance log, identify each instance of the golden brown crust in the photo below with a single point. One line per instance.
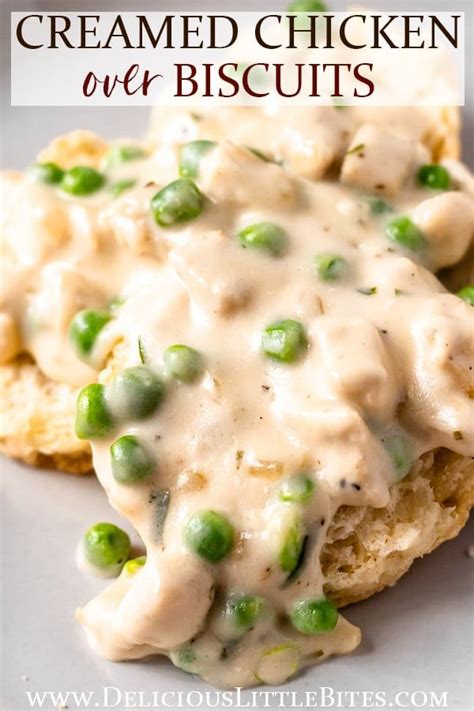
(37, 419)
(67, 463)
(444, 138)
(369, 549)
(79, 147)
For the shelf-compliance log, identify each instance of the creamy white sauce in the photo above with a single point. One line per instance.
(383, 367)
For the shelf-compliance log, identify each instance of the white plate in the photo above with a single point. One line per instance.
(417, 637)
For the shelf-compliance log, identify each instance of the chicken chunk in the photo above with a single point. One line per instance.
(309, 144)
(129, 222)
(34, 224)
(233, 175)
(166, 611)
(378, 161)
(447, 221)
(444, 358)
(357, 365)
(221, 289)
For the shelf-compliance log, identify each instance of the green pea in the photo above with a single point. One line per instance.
(135, 393)
(106, 546)
(301, 21)
(132, 567)
(434, 177)
(84, 329)
(131, 462)
(265, 237)
(379, 206)
(243, 611)
(314, 616)
(180, 201)
(297, 489)
(93, 418)
(183, 363)
(307, 6)
(209, 535)
(467, 294)
(404, 231)
(284, 341)
(48, 173)
(292, 547)
(82, 180)
(190, 156)
(330, 267)
(185, 659)
(120, 186)
(123, 154)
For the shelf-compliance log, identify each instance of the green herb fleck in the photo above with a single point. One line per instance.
(379, 206)
(142, 351)
(356, 149)
(121, 186)
(161, 502)
(339, 103)
(259, 154)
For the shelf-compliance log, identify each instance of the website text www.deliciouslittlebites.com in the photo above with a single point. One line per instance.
(111, 697)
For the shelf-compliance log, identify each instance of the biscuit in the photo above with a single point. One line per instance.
(37, 422)
(368, 549)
